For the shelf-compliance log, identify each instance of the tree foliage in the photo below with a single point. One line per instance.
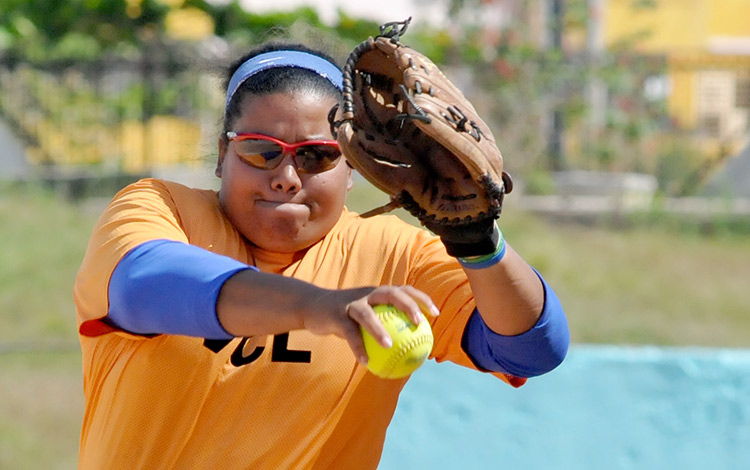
(517, 83)
(85, 29)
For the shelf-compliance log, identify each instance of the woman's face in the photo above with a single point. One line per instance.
(282, 210)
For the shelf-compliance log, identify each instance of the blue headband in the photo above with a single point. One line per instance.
(269, 60)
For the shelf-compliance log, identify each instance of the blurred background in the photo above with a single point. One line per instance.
(626, 127)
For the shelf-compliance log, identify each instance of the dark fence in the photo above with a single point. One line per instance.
(111, 116)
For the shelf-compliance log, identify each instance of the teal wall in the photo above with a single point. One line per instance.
(604, 408)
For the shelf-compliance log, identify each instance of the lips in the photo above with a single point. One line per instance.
(276, 203)
(281, 205)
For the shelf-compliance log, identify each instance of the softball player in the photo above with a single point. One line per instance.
(221, 329)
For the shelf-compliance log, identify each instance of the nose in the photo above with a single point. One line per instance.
(285, 177)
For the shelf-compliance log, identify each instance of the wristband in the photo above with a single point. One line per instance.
(485, 261)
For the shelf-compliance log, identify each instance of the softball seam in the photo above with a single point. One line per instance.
(390, 365)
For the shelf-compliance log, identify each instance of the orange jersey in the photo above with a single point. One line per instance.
(289, 401)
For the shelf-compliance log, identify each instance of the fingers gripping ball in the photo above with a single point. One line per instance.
(412, 344)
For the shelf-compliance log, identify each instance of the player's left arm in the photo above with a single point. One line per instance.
(519, 326)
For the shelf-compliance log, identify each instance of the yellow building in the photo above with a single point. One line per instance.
(707, 47)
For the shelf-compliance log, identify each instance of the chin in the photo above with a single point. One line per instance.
(281, 239)
(287, 235)
(285, 246)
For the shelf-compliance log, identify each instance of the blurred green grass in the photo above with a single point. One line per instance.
(635, 285)
(641, 282)
(44, 239)
(41, 407)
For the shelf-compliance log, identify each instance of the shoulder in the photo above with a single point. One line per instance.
(381, 224)
(158, 188)
(163, 207)
(157, 194)
(383, 220)
(383, 231)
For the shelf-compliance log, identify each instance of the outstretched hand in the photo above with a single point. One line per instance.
(343, 312)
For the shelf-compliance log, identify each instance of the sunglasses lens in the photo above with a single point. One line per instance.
(317, 158)
(266, 154)
(259, 153)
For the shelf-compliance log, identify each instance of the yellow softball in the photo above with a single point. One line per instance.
(412, 344)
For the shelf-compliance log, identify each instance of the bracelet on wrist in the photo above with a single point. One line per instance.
(485, 261)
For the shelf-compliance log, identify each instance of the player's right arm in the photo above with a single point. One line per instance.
(253, 303)
(169, 287)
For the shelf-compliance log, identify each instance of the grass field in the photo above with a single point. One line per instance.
(663, 283)
(630, 286)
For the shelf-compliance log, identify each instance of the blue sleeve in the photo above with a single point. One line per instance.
(169, 287)
(529, 354)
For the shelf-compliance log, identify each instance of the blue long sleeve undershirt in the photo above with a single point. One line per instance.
(169, 287)
(528, 354)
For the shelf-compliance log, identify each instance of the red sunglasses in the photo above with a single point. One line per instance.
(266, 152)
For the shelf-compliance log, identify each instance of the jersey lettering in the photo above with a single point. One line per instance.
(240, 359)
(280, 351)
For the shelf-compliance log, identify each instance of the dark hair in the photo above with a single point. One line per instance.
(276, 80)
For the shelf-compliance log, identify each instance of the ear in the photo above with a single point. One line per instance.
(222, 153)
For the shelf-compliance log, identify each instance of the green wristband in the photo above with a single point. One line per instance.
(485, 261)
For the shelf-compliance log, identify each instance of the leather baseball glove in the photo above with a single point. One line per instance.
(409, 131)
